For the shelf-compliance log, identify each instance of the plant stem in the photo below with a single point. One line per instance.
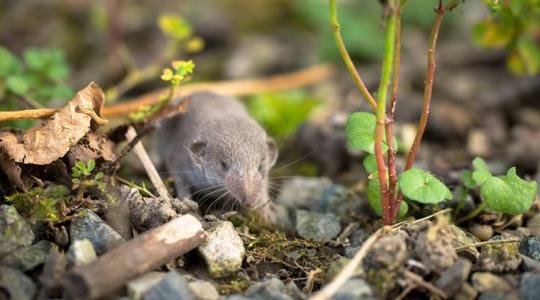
(334, 24)
(381, 107)
(428, 86)
(473, 213)
(389, 126)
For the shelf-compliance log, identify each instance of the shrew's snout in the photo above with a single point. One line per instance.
(246, 188)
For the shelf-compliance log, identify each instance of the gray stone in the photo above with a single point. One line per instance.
(137, 287)
(87, 225)
(81, 252)
(316, 226)
(358, 237)
(531, 247)
(17, 285)
(530, 286)
(534, 223)
(494, 295)
(272, 289)
(303, 192)
(354, 289)
(172, 286)
(350, 252)
(15, 232)
(462, 238)
(453, 278)
(29, 257)
(223, 250)
(499, 257)
(204, 290)
(485, 281)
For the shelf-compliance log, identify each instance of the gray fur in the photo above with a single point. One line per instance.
(216, 143)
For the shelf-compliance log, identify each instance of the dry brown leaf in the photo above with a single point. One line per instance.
(52, 139)
(92, 147)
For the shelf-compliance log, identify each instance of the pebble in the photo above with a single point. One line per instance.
(452, 279)
(137, 287)
(87, 225)
(467, 292)
(204, 290)
(17, 285)
(533, 224)
(530, 286)
(482, 232)
(171, 286)
(493, 295)
(303, 192)
(15, 232)
(531, 247)
(461, 238)
(223, 250)
(29, 257)
(485, 281)
(500, 257)
(354, 289)
(272, 288)
(81, 252)
(317, 226)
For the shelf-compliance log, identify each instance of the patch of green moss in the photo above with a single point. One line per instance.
(234, 286)
(382, 280)
(41, 204)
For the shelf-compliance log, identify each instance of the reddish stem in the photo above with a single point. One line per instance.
(381, 167)
(428, 87)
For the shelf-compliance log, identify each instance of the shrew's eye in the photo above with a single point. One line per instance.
(224, 165)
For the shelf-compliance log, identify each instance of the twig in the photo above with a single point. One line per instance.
(311, 280)
(244, 87)
(390, 40)
(423, 219)
(334, 24)
(133, 258)
(329, 290)
(148, 165)
(487, 243)
(428, 87)
(419, 281)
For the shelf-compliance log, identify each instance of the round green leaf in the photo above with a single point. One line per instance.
(360, 130)
(420, 186)
(374, 199)
(481, 172)
(508, 194)
(18, 84)
(370, 163)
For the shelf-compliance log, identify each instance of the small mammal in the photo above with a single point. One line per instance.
(216, 149)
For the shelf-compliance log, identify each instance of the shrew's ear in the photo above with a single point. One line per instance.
(272, 151)
(197, 150)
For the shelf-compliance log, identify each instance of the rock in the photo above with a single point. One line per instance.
(87, 225)
(269, 289)
(350, 252)
(358, 237)
(303, 192)
(529, 288)
(529, 264)
(81, 252)
(484, 281)
(335, 267)
(493, 295)
(17, 285)
(171, 286)
(482, 232)
(452, 279)
(460, 239)
(533, 224)
(15, 232)
(29, 257)
(531, 247)
(223, 250)
(316, 226)
(500, 257)
(434, 247)
(467, 292)
(203, 290)
(137, 287)
(148, 213)
(354, 289)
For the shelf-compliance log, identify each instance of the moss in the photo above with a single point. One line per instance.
(234, 286)
(382, 280)
(41, 204)
(298, 255)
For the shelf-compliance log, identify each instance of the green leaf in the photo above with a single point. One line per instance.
(9, 63)
(18, 84)
(36, 59)
(481, 172)
(508, 194)
(90, 165)
(174, 26)
(374, 198)
(468, 180)
(420, 186)
(360, 130)
(370, 163)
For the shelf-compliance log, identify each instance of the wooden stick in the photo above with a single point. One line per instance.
(228, 87)
(329, 290)
(148, 165)
(133, 258)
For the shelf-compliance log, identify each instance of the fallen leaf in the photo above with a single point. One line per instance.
(52, 139)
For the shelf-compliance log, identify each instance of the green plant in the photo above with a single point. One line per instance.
(514, 26)
(505, 194)
(33, 81)
(281, 113)
(42, 204)
(83, 177)
(374, 133)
